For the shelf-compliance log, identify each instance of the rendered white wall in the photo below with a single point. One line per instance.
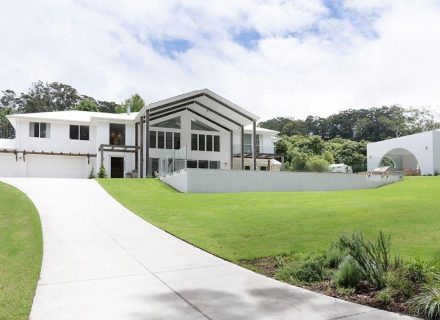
(225, 181)
(421, 145)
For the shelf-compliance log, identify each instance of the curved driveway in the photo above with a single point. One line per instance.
(101, 261)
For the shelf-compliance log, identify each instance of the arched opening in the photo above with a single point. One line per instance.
(401, 159)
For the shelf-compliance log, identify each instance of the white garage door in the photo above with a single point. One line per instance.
(8, 165)
(56, 166)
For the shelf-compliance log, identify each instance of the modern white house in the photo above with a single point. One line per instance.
(419, 151)
(199, 129)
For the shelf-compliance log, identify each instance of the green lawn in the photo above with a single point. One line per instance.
(250, 225)
(20, 253)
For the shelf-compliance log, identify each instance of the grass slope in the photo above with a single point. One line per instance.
(249, 225)
(20, 253)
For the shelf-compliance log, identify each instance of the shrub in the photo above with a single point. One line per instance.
(398, 280)
(349, 275)
(309, 270)
(427, 303)
(419, 271)
(334, 256)
(317, 164)
(384, 296)
(102, 173)
(373, 259)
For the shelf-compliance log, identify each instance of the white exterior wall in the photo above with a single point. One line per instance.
(436, 150)
(103, 137)
(200, 181)
(424, 146)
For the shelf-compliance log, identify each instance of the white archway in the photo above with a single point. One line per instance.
(403, 159)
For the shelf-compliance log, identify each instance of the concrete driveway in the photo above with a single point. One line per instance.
(101, 261)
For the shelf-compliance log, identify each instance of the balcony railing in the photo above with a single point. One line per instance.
(248, 149)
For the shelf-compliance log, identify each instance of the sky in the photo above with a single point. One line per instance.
(272, 57)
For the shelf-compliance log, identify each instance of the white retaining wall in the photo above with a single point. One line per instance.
(219, 181)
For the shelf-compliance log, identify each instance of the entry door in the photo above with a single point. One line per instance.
(117, 167)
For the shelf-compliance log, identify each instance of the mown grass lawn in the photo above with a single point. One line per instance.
(20, 253)
(251, 225)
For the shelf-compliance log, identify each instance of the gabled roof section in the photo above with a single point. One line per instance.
(203, 103)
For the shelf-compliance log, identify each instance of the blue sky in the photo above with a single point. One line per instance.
(273, 57)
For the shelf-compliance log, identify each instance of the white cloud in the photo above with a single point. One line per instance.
(309, 60)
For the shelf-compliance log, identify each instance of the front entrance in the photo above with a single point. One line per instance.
(117, 167)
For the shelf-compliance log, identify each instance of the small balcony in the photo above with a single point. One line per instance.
(248, 149)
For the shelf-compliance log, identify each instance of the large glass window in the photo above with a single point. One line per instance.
(191, 164)
(201, 142)
(84, 132)
(160, 139)
(152, 139)
(79, 132)
(214, 164)
(217, 143)
(199, 125)
(194, 145)
(203, 164)
(173, 123)
(176, 140)
(169, 140)
(39, 129)
(247, 143)
(208, 142)
(117, 134)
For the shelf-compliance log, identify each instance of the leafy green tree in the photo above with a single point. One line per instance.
(134, 104)
(47, 97)
(87, 105)
(317, 164)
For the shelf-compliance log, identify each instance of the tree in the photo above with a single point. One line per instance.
(134, 104)
(47, 97)
(87, 105)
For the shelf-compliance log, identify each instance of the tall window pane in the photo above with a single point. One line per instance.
(152, 139)
(117, 134)
(193, 142)
(176, 140)
(208, 142)
(84, 132)
(34, 129)
(160, 139)
(216, 143)
(201, 142)
(43, 133)
(169, 140)
(74, 132)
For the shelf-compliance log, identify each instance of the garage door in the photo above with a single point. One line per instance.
(8, 165)
(56, 167)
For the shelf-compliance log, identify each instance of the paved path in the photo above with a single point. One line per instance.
(101, 261)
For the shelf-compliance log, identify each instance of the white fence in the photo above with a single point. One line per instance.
(226, 181)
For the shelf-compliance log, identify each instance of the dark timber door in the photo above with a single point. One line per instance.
(117, 167)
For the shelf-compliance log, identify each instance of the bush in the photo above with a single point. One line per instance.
(309, 270)
(317, 164)
(334, 256)
(373, 259)
(419, 271)
(349, 275)
(427, 303)
(398, 280)
(384, 296)
(346, 292)
(102, 173)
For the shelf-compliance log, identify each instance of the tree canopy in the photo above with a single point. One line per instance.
(374, 124)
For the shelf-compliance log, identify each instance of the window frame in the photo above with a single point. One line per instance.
(37, 132)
